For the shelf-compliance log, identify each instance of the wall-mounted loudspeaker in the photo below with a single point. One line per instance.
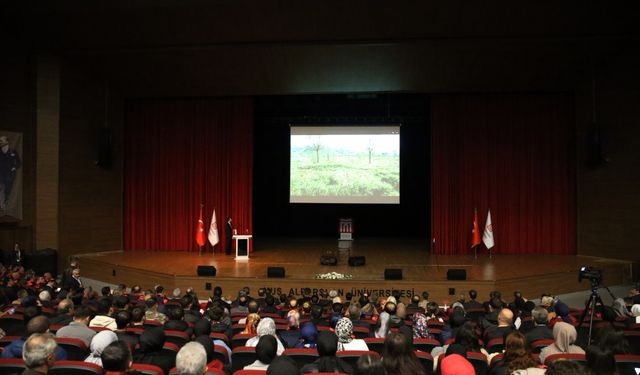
(392, 274)
(456, 274)
(206, 271)
(275, 272)
(356, 261)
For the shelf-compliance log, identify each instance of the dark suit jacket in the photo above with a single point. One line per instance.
(74, 284)
(539, 333)
(229, 240)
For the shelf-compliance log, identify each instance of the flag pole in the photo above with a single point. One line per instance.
(200, 247)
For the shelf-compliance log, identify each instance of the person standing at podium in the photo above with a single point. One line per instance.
(229, 235)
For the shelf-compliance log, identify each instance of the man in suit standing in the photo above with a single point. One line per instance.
(229, 233)
(75, 283)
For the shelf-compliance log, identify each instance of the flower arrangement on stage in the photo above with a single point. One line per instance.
(333, 276)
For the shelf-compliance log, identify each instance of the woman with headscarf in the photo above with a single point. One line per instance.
(562, 314)
(635, 311)
(251, 324)
(327, 360)
(308, 336)
(266, 327)
(344, 331)
(265, 353)
(564, 335)
(150, 351)
(420, 326)
(98, 343)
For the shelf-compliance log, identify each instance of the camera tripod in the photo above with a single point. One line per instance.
(594, 299)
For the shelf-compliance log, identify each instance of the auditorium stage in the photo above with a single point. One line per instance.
(530, 274)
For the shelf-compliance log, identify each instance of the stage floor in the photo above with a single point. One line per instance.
(531, 274)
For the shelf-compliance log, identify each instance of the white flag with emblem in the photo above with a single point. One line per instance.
(213, 230)
(487, 236)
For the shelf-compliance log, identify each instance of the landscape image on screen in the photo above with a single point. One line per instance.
(345, 164)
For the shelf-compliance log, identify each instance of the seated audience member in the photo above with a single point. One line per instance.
(562, 314)
(456, 364)
(265, 352)
(526, 316)
(123, 318)
(336, 313)
(370, 365)
(366, 307)
(327, 360)
(150, 350)
(36, 325)
(262, 293)
(219, 322)
(344, 331)
(566, 368)
(191, 359)
(103, 318)
(505, 325)
(203, 329)
(241, 307)
(635, 311)
(472, 303)
(99, 342)
(78, 329)
(208, 346)
(398, 356)
(620, 307)
(266, 327)
(152, 311)
(415, 300)
(253, 308)
(316, 316)
(191, 308)
(283, 365)
(269, 305)
(384, 320)
(291, 336)
(116, 358)
(432, 312)
(308, 336)
(613, 340)
(565, 336)
(425, 300)
(420, 326)
(540, 331)
(39, 353)
(64, 313)
(137, 317)
(517, 357)
(176, 322)
(354, 314)
(251, 323)
(600, 362)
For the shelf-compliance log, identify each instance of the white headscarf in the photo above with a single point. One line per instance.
(635, 311)
(98, 343)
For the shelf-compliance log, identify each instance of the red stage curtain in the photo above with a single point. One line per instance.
(514, 154)
(179, 154)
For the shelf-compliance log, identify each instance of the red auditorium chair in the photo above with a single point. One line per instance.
(375, 344)
(237, 328)
(75, 368)
(495, 345)
(538, 345)
(240, 339)
(352, 356)
(170, 348)
(11, 366)
(75, 348)
(12, 324)
(479, 362)
(426, 360)
(361, 332)
(151, 324)
(134, 331)
(496, 360)
(425, 345)
(475, 314)
(250, 372)
(302, 356)
(145, 369)
(54, 328)
(565, 356)
(628, 363)
(177, 337)
(242, 356)
(220, 353)
(270, 315)
(220, 336)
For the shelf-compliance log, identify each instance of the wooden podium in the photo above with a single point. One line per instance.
(243, 246)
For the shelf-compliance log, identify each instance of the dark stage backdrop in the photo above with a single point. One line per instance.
(275, 216)
(514, 154)
(180, 153)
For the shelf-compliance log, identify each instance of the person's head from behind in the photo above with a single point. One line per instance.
(473, 294)
(540, 315)
(253, 306)
(82, 315)
(390, 308)
(38, 324)
(396, 345)
(599, 361)
(266, 349)
(175, 313)
(191, 359)
(116, 357)
(137, 315)
(282, 365)
(432, 308)
(327, 344)
(467, 337)
(269, 300)
(565, 368)
(505, 318)
(123, 317)
(610, 339)
(39, 351)
(369, 365)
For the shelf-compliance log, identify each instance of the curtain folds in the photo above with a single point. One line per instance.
(513, 154)
(179, 154)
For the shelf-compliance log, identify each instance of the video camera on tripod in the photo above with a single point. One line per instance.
(593, 274)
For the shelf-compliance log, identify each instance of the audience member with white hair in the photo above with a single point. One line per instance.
(39, 353)
(192, 359)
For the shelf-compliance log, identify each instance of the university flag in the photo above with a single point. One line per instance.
(213, 230)
(487, 236)
(475, 233)
(200, 231)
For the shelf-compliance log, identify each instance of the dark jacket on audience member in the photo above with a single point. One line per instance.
(150, 351)
(539, 332)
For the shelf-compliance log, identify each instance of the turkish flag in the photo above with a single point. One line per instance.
(200, 240)
(475, 233)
